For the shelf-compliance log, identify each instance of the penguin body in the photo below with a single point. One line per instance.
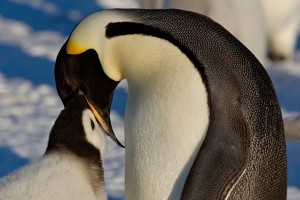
(202, 118)
(64, 172)
(283, 26)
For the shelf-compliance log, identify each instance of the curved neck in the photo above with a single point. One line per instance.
(166, 118)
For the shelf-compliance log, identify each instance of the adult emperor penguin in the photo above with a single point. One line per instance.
(202, 119)
(71, 168)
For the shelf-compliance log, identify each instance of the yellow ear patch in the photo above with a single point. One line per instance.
(75, 48)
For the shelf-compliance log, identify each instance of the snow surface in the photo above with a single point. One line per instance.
(31, 34)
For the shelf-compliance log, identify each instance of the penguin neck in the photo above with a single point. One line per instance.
(167, 115)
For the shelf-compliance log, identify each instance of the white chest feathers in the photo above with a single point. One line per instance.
(59, 177)
(167, 115)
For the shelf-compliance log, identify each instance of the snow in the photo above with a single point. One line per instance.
(27, 115)
(293, 193)
(286, 78)
(29, 105)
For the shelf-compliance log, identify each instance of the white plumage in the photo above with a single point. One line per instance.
(283, 25)
(59, 176)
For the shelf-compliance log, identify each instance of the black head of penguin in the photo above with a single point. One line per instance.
(84, 72)
(76, 131)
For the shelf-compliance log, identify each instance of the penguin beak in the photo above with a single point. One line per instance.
(104, 125)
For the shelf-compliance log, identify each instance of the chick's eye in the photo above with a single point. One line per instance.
(92, 124)
(66, 88)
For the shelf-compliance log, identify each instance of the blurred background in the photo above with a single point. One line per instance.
(33, 31)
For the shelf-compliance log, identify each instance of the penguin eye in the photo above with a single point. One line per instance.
(92, 124)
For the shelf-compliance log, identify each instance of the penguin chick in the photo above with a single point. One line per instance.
(71, 168)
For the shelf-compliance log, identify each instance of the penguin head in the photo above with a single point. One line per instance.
(83, 72)
(77, 131)
(78, 67)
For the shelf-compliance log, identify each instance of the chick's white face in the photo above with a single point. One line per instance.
(95, 135)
